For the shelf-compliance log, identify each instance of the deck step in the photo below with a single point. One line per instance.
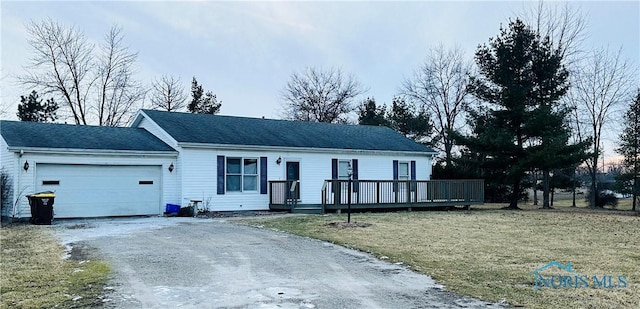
(307, 210)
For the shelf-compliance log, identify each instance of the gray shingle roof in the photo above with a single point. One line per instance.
(50, 135)
(228, 130)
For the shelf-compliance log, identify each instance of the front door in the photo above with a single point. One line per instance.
(293, 174)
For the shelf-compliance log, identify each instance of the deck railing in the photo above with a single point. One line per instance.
(285, 194)
(423, 192)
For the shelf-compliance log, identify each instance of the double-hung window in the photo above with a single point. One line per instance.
(403, 171)
(343, 169)
(242, 174)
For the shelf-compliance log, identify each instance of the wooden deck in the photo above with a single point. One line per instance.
(379, 194)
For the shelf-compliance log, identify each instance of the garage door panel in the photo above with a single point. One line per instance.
(102, 190)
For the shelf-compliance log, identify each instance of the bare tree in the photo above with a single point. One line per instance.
(440, 86)
(601, 84)
(95, 89)
(4, 109)
(167, 93)
(320, 95)
(565, 26)
(119, 93)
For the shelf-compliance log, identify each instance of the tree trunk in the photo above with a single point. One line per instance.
(594, 189)
(636, 188)
(535, 188)
(573, 188)
(515, 195)
(545, 189)
(448, 157)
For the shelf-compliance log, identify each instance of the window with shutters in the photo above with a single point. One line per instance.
(242, 174)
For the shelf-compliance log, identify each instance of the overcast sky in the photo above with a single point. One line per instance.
(245, 51)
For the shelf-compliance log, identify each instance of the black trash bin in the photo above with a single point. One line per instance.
(41, 207)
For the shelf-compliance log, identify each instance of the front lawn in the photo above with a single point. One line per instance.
(491, 254)
(33, 273)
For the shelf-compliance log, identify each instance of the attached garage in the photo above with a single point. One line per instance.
(101, 190)
(94, 171)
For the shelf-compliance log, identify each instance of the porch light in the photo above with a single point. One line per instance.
(26, 166)
(279, 160)
(349, 169)
(171, 167)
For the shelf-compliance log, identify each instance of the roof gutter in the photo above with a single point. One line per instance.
(304, 149)
(93, 151)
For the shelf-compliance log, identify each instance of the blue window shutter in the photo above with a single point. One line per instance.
(413, 175)
(395, 175)
(334, 174)
(220, 174)
(395, 169)
(354, 166)
(263, 175)
(413, 170)
(334, 168)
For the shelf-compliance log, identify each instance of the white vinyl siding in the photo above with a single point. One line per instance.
(9, 164)
(199, 174)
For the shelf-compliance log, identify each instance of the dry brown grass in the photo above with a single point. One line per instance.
(33, 273)
(490, 254)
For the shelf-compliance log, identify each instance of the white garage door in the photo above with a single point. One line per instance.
(101, 190)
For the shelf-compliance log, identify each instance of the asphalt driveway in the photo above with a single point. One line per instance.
(205, 263)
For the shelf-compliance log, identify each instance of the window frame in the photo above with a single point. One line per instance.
(408, 175)
(344, 177)
(242, 174)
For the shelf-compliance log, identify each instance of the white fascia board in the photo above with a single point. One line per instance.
(138, 118)
(94, 151)
(304, 149)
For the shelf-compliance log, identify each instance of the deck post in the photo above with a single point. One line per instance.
(396, 190)
(377, 192)
(408, 189)
(350, 173)
(337, 191)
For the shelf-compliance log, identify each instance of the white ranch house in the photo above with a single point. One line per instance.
(227, 163)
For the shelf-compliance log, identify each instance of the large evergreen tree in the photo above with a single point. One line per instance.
(505, 83)
(32, 108)
(369, 113)
(201, 102)
(520, 125)
(409, 120)
(630, 146)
